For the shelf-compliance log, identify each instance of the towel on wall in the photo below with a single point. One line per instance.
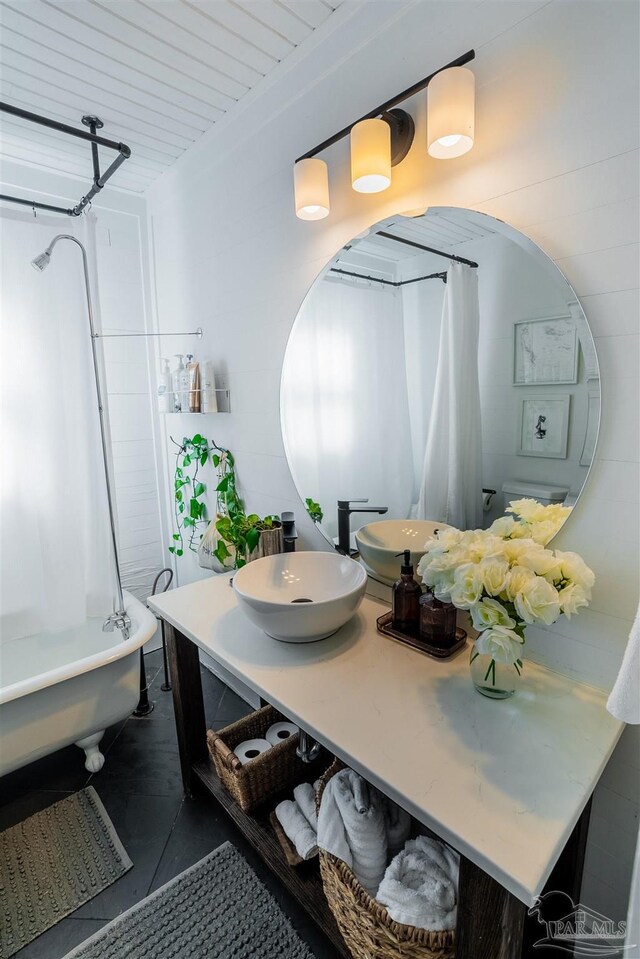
(624, 701)
(351, 826)
(297, 828)
(420, 886)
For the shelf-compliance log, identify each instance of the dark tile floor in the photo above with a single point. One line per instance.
(140, 787)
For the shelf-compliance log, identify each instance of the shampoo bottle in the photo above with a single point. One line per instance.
(193, 374)
(406, 595)
(209, 403)
(177, 378)
(165, 397)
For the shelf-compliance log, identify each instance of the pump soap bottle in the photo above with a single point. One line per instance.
(177, 378)
(165, 398)
(405, 598)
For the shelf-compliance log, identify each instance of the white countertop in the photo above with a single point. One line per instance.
(503, 781)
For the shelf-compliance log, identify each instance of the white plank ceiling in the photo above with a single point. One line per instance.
(157, 72)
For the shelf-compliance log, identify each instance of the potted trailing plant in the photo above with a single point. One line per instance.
(233, 538)
(506, 579)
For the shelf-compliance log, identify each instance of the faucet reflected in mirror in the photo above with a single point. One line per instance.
(345, 509)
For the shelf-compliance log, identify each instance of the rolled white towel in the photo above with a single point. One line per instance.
(420, 886)
(351, 826)
(398, 825)
(305, 796)
(297, 828)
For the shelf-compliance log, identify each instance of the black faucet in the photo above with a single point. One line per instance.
(344, 527)
(289, 532)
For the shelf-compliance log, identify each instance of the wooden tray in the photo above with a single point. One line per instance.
(385, 627)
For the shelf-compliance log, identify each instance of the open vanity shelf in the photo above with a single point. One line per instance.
(303, 882)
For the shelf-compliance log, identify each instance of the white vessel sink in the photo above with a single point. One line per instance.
(300, 597)
(379, 543)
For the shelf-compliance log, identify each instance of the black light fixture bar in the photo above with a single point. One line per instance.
(376, 279)
(99, 180)
(427, 249)
(388, 105)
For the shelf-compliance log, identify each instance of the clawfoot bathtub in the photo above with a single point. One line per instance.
(62, 688)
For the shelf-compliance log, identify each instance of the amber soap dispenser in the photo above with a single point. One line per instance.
(406, 595)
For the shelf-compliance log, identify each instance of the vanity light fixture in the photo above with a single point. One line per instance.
(451, 107)
(382, 138)
(371, 156)
(311, 186)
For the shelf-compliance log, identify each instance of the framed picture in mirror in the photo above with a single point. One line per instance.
(544, 426)
(545, 352)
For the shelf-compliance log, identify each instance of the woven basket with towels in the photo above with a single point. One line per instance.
(365, 924)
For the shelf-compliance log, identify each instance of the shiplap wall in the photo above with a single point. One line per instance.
(118, 223)
(556, 156)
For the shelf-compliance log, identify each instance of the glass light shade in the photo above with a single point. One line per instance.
(451, 108)
(371, 156)
(311, 189)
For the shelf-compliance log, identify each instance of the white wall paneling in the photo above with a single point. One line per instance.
(555, 156)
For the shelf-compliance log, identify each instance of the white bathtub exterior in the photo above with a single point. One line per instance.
(94, 684)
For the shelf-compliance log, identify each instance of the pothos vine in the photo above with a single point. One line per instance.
(190, 511)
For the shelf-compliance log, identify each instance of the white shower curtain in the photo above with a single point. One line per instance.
(56, 563)
(451, 488)
(345, 410)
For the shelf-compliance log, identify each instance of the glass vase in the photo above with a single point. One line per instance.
(493, 679)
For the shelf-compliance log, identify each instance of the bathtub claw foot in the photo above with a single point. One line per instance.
(94, 759)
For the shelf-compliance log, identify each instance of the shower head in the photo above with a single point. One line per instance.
(41, 262)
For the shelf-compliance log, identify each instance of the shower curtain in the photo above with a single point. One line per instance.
(345, 407)
(56, 561)
(451, 488)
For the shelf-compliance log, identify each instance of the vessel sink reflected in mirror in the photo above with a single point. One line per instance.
(300, 597)
(379, 544)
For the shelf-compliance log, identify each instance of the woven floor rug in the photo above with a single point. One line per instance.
(217, 909)
(52, 863)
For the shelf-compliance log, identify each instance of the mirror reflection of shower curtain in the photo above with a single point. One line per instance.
(57, 568)
(345, 405)
(451, 488)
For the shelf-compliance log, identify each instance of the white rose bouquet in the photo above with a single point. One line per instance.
(506, 578)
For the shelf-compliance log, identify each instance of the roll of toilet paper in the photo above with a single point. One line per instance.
(278, 732)
(486, 500)
(251, 749)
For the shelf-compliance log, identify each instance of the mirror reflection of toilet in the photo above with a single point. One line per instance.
(544, 493)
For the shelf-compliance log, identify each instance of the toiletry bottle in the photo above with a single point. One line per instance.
(406, 597)
(184, 387)
(437, 621)
(208, 401)
(165, 398)
(176, 383)
(193, 374)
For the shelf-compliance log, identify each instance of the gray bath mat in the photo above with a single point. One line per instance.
(52, 863)
(217, 909)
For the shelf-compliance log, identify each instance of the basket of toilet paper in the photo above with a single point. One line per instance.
(256, 759)
(393, 892)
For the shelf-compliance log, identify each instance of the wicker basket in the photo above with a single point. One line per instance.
(365, 924)
(270, 773)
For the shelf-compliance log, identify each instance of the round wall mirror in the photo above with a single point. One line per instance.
(440, 367)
